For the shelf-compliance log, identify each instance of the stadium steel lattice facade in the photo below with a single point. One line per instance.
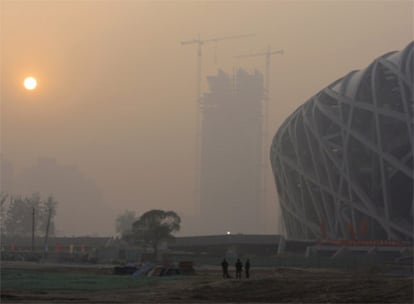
(343, 161)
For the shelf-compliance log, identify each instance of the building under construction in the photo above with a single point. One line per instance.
(231, 152)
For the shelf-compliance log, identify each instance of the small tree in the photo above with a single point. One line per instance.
(155, 226)
(18, 220)
(3, 209)
(124, 221)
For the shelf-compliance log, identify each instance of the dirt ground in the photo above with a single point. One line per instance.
(266, 285)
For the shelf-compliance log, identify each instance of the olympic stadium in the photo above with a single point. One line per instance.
(343, 161)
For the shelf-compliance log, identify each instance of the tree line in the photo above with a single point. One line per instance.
(16, 215)
(149, 229)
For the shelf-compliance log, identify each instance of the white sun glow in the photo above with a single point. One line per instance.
(30, 83)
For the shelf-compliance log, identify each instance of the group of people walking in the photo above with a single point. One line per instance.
(239, 269)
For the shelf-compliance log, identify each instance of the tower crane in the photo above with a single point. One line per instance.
(199, 43)
(267, 54)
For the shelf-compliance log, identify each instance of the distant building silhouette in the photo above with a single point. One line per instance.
(81, 209)
(231, 152)
(6, 175)
(343, 161)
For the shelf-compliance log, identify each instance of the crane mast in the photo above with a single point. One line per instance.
(266, 100)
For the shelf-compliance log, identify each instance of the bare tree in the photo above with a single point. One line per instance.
(18, 217)
(3, 209)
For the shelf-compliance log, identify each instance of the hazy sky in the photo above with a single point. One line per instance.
(116, 94)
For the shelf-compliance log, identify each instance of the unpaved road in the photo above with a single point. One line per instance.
(267, 285)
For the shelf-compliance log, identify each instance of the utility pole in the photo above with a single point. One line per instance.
(46, 246)
(33, 229)
(267, 54)
(199, 43)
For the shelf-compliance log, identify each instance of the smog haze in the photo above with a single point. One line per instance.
(112, 123)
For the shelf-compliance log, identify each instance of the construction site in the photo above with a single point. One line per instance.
(232, 144)
(231, 152)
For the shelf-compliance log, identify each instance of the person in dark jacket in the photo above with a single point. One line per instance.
(225, 269)
(247, 268)
(239, 269)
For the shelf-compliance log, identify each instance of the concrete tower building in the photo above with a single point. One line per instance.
(231, 152)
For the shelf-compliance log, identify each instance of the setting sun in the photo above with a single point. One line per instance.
(30, 83)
